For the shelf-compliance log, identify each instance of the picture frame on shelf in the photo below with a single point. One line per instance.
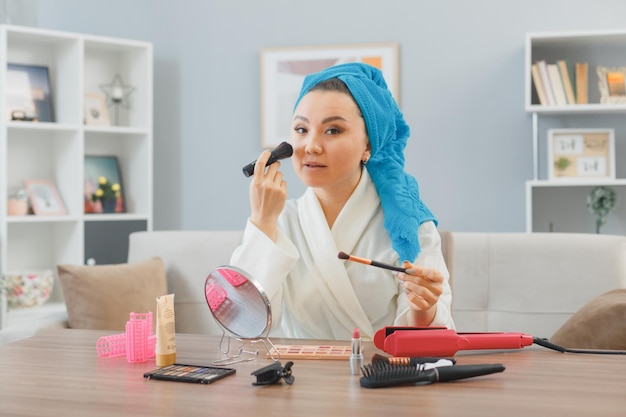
(44, 197)
(28, 95)
(96, 112)
(581, 154)
(284, 69)
(102, 172)
(612, 84)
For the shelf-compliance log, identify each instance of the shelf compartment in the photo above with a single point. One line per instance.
(103, 59)
(46, 154)
(605, 48)
(43, 245)
(61, 54)
(132, 152)
(554, 206)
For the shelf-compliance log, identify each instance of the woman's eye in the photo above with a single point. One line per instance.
(299, 130)
(332, 131)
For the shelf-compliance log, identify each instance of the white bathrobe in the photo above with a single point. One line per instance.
(316, 295)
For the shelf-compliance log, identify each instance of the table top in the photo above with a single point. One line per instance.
(58, 372)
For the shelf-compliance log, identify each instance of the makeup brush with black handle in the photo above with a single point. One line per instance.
(282, 151)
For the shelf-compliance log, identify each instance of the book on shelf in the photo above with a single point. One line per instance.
(582, 82)
(566, 77)
(538, 83)
(557, 85)
(545, 80)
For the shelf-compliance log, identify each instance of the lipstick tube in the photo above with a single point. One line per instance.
(356, 354)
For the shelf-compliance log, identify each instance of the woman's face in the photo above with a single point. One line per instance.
(329, 140)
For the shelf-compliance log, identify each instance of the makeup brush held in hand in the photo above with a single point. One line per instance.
(282, 151)
(343, 255)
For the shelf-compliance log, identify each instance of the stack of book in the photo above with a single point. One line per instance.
(558, 84)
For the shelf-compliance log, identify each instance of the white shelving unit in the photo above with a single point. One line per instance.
(548, 200)
(77, 64)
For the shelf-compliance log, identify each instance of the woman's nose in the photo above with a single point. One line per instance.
(313, 143)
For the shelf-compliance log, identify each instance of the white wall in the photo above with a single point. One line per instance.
(461, 80)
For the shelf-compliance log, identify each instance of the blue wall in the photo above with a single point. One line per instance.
(461, 81)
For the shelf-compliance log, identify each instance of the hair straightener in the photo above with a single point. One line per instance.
(441, 341)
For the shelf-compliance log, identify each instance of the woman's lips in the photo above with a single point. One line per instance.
(313, 164)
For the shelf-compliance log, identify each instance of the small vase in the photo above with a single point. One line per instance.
(108, 206)
(17, 203)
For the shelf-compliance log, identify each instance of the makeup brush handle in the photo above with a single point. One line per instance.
(386, 266)
(453, 373)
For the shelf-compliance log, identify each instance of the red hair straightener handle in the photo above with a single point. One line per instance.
(441, 341)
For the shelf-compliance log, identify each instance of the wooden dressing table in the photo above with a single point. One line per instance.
(58, 373)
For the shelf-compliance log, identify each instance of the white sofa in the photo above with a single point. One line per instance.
(523, 282)
(531, 282)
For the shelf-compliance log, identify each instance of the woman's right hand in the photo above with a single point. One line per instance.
(268, 194)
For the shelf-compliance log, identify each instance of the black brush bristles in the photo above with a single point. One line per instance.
(380, 374)
(282, 151)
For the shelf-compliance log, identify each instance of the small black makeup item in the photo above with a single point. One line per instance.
(189, 373)
(271, 374)
(282, 151)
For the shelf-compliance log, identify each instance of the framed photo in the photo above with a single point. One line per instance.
(44, 197)
(96, 112)
(581, 154)
(103, 173)
(284, 69)
(612, 85)
(28, 95)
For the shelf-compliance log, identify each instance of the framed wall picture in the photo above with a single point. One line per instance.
(284, 69)
(28, 95)
(581, 154)
(96, 112)
(44, 197)
(104, 191)
(612, 85)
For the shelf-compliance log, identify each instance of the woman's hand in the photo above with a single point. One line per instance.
(268, 194)
(423, 287)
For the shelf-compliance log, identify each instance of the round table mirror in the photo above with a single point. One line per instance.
(241, 308)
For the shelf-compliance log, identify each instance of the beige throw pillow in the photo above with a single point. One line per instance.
(599, 324)
(103, 296)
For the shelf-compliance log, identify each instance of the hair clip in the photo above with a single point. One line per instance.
(271, 374)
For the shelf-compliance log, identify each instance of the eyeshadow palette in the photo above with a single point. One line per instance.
(313, 352)
(189, 373)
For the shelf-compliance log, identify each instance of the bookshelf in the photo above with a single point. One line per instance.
(55, 150)
(560, 204)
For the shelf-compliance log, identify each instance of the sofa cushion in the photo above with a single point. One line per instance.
(599, 324)
(103, 296)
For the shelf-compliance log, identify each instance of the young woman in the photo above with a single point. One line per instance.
(348, 136)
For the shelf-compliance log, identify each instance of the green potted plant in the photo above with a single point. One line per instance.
(601, 201)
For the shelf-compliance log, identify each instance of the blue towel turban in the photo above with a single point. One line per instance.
(402, 207)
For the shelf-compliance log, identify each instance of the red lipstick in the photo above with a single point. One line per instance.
(356, 356)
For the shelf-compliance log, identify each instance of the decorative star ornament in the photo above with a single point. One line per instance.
(117, 93)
